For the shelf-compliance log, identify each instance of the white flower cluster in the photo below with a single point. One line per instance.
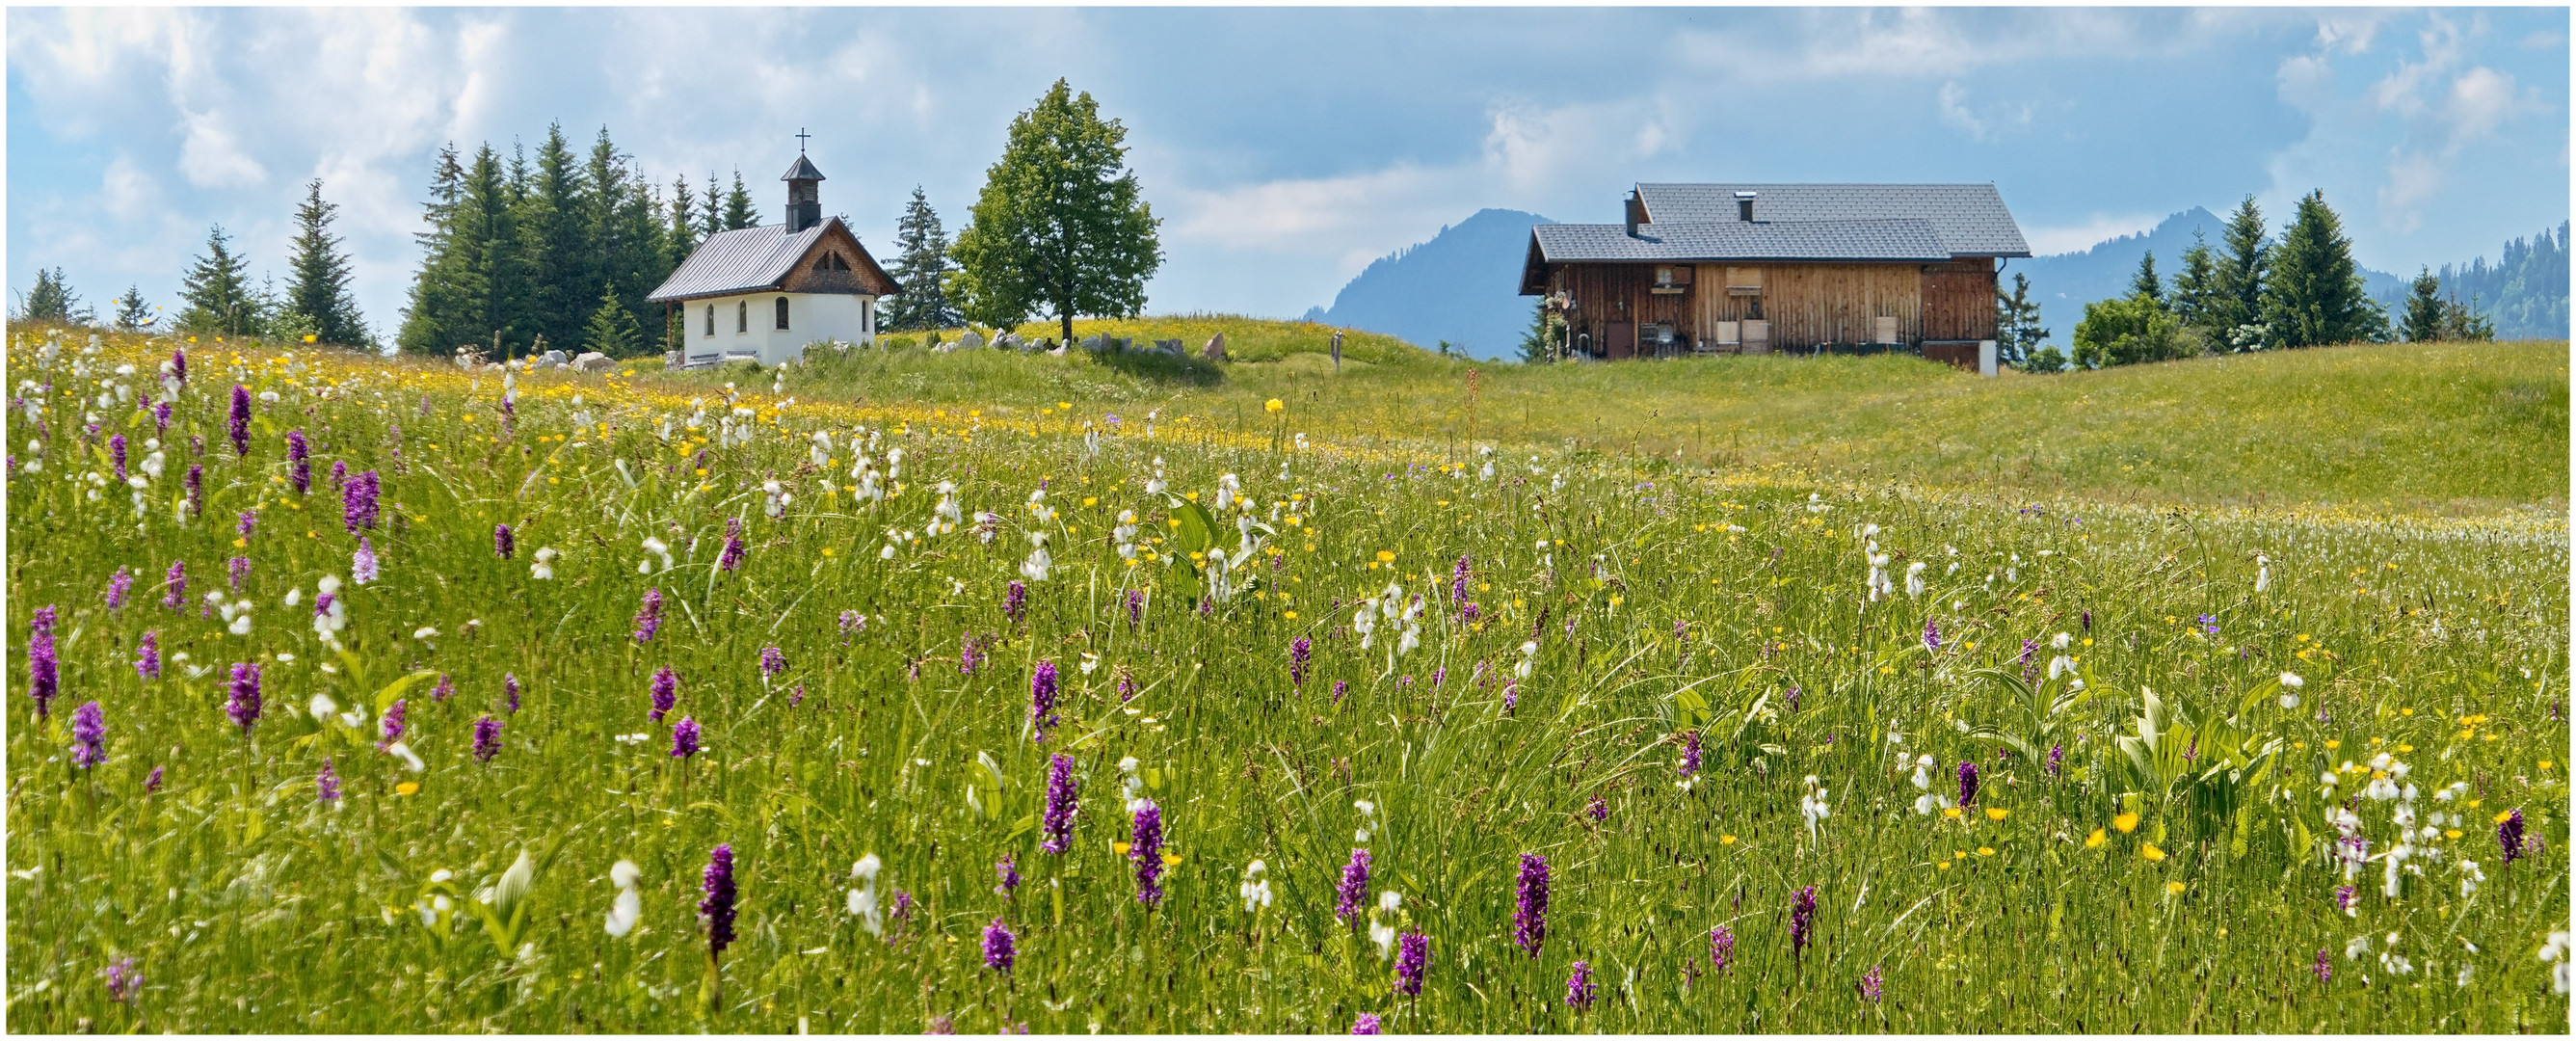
(863, 900)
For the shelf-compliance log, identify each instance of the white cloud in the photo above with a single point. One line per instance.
(2348, 31)
(2413, 178)
(1300, 213)
(126, 191)
(212, 158)
(2481, 99)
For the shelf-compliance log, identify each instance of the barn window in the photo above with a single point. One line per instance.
(782, 312)
(711, 319)
(831, 262)
(742, 316)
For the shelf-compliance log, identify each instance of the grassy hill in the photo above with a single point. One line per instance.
(1246, 339)
(2451, 429)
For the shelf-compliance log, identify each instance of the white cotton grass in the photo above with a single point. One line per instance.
(1812, 805)
(863, 900)
(1255, 889)
(628, 907)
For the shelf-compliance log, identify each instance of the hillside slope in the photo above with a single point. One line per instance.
(1461, 286)
(2461, 429)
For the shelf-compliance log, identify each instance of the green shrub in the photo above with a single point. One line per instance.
(2128, 331)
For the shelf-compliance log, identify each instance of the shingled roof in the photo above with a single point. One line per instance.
(1891, 240)
(1969, 218)
(740, 261)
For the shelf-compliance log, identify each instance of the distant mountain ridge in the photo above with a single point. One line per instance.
(1462, 285)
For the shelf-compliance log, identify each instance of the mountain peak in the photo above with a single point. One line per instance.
(1461, 285)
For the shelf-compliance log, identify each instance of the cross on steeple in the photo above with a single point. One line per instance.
(801, 135)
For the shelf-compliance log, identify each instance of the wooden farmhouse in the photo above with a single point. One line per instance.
(1758, 268)
(763, 293)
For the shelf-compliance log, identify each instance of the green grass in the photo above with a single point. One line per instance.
(1663, 601)
(2449, 429)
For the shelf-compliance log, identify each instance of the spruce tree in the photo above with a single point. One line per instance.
(921, 270)
(132, 314)
(52, 300)
(498, 267)
(683, 237)
(216, 291)
(560, 261)
(319, 293)
(2018, 332)
(436, 319)
(612, 330)
(1546, 332)
(2195, 290)
(2424, 311)
(739, 213)
(2145, 283)
(2242, 268)
(627, 239)
(2314, 293)
(711, 214)
(2466, 323)
(1061, 223)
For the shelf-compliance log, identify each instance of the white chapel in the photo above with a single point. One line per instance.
(764, 293)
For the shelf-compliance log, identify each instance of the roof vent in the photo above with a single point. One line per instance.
(1744, 206)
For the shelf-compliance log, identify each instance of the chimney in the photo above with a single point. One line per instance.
(1636, 213)
(1744, 206)
(804, 195)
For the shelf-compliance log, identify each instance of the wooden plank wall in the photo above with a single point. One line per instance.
(1807, 304)
(1959, 300)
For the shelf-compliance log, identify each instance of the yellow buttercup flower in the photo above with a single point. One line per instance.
(1997, 813)
(2126, 822)
(1171, 859)
(1273, 405)
(1726, 840)
(1119, 848)
(2174, 888)
(2095, 840)
(407, 787)
(2152, 854)
(1985, 851)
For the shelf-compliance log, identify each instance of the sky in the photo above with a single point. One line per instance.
(1282, 148)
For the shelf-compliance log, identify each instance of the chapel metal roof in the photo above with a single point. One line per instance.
(739, 261)
(1969, 218)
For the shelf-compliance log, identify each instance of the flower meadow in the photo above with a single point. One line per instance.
(361, 695)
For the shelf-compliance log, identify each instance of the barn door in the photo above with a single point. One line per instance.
(1622, 340)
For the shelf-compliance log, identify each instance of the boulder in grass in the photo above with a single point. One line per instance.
(1215, 349)
(972, 341)
(591, 361)
(552, 360)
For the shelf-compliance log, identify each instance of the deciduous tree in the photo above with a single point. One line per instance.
(1061, 224)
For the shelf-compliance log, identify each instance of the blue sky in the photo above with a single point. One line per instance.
(1285, 148)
